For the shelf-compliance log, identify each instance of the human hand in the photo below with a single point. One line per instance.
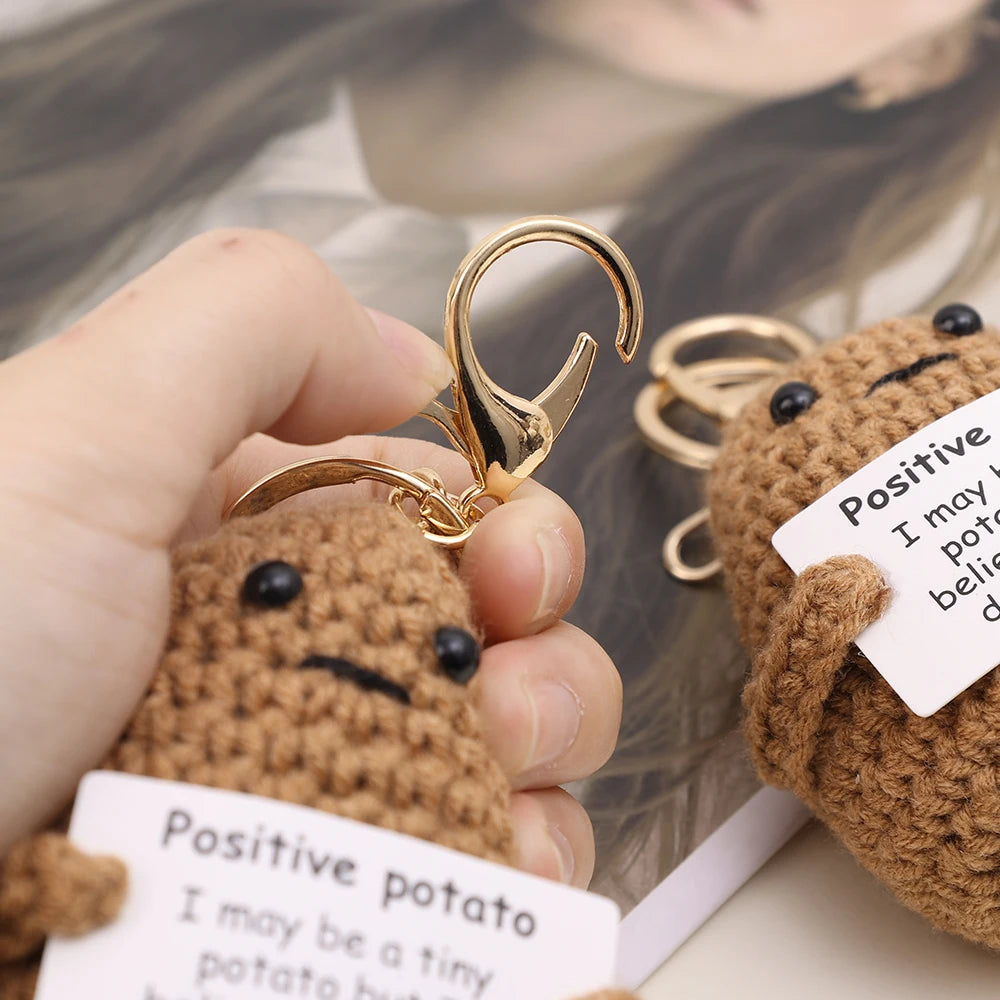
(139, 425)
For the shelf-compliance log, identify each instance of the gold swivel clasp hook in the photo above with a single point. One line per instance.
(503, 436)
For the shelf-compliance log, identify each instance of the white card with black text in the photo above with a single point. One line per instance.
(237, 896)
(927, 513)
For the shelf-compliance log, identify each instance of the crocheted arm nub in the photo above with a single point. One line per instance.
(48, 886)
(828, 606)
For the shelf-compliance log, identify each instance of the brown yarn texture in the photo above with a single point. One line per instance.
(916, 800)
(230, 706)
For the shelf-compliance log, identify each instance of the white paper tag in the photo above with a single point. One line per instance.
(236, 896)
(927, 513)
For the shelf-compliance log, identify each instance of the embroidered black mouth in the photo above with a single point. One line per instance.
(902, 374)
(367, 680)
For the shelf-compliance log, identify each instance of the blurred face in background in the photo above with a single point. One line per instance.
(750, 48)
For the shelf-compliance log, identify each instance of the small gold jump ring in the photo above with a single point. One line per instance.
(673, 560)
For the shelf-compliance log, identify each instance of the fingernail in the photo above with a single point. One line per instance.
(417, 353)
(545, 850)
(557, 712)
(564, 854)
(557, 571)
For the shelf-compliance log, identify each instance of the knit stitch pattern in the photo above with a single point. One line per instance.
(230, 706)
(916, 800)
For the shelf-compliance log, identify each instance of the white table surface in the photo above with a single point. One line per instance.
(813, 925)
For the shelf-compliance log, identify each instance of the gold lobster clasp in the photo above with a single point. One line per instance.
(503, 436)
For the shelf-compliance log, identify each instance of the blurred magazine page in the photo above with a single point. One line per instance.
(701, 883)
(804, 160)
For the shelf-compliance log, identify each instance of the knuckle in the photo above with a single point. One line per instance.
(268, 262)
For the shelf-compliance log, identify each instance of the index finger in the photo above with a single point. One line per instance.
(107, 434)
(237, 331)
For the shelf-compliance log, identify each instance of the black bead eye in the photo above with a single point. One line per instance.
(959, 320)
(272, 584)
(457, 652)
(791, 399)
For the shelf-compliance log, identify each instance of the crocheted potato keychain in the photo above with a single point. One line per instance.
(325, 656)
(319, 656)
(916, 799)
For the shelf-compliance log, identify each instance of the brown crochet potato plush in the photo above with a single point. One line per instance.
(320, 657)
(917, 800)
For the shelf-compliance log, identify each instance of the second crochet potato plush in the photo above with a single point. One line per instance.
(917, 800)
(320, 657)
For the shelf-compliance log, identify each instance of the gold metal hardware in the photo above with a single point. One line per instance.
(504, 437)
(717, 388)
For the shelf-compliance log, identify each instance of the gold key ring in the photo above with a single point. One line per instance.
(706, 398)
(717, 388)
(721, 375)
(504, 437)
